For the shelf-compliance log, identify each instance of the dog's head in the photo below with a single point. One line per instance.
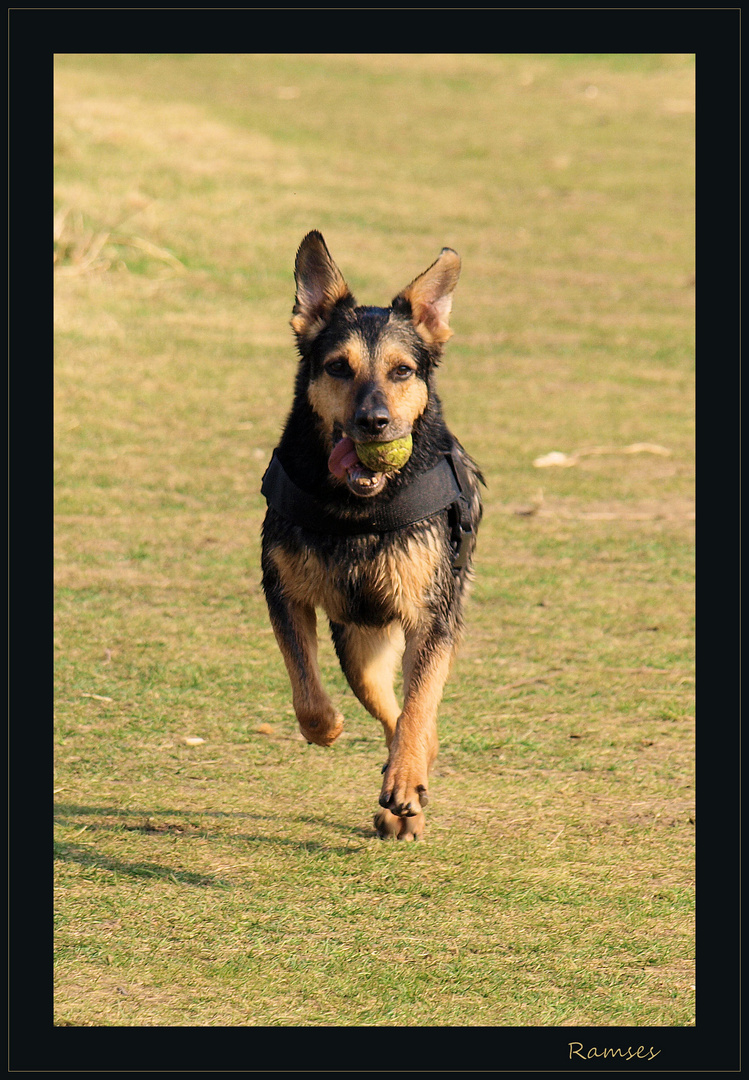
(368, 368)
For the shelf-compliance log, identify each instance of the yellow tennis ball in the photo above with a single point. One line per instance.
(385, 456)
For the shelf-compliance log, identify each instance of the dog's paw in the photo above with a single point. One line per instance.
(323, 730)
(402, 794)
(390, 826)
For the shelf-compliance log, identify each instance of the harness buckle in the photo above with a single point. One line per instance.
(461, 540)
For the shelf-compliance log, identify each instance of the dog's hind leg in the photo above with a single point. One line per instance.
(427, 662)
(370, 657)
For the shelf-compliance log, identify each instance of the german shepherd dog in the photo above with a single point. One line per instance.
(387, 554)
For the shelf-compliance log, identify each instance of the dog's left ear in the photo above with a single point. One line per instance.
(430, 298)
(319, 287)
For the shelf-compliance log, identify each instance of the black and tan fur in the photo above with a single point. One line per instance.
(393, 597)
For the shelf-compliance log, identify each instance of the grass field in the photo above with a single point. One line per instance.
(212, 869)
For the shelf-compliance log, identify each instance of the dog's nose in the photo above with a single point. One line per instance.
(372, 416)
(374, 422)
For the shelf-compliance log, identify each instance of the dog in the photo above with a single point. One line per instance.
(386, 552)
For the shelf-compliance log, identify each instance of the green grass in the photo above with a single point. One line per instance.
(237, 880)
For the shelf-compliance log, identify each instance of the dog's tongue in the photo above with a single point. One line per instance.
(343, 457)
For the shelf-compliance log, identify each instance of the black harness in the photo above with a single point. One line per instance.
(443, 487)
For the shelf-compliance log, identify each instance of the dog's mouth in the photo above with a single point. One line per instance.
(344, 463)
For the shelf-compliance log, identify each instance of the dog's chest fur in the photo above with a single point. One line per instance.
(373, 585)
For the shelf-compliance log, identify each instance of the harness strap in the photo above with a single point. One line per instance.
(440, 488)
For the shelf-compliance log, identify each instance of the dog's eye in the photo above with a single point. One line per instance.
(402, 371)
(339, 369)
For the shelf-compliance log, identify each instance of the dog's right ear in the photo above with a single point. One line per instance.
(319, 287)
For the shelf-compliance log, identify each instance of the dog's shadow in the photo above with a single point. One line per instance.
(181, 823)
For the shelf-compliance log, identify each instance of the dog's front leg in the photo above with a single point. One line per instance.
(426, 665)
(295, 627)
